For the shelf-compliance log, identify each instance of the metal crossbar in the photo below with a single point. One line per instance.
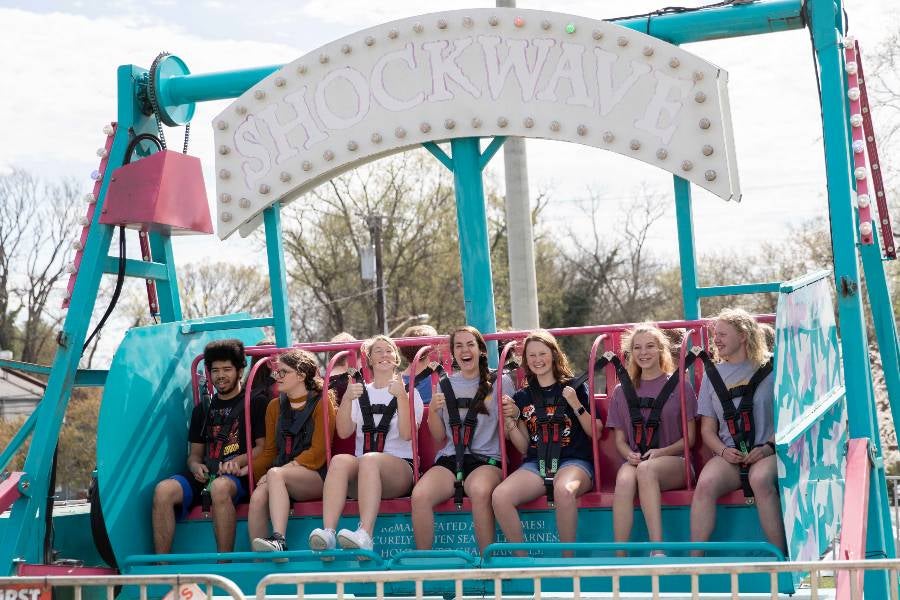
(616, 574)
(208, 584)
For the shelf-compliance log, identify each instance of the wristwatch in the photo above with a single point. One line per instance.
(772, 446)
(581, 411)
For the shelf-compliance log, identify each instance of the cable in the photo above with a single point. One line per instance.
(670, 10)
(120, 278)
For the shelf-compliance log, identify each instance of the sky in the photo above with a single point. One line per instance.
(58, 90)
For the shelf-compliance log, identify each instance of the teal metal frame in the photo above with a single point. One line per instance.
(20, 538)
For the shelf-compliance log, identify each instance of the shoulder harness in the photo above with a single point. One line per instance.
(374, 436)
(295, 428)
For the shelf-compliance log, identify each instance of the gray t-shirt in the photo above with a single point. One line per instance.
(485, 441)
(735, 374)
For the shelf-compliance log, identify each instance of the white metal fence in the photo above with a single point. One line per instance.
(616, 574)
(207, 584)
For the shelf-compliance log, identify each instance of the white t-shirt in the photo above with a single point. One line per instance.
(392, 443)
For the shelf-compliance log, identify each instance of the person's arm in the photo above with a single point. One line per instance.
(398, 391)
(344, 421)
(195, 462)
(436, 407)
(576, 403)
(266, 458)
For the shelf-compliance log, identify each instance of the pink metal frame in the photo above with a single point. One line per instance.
(859, 155)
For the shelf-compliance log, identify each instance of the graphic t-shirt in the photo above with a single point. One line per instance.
(670, 419)
(574, 442)
(226, 440)
(393, 444)
(735, 374)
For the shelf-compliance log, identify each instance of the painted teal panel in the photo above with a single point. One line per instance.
(810, 416)
(143, 422)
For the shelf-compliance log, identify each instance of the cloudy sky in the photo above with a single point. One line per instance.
(60, 59)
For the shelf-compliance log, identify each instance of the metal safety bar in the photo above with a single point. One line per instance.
(110, 582)
(616, 574)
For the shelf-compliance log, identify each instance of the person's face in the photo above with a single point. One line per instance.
(646, 351)
(466, 351)
(382, 356)
(225, 376)
(288, 379)
(727, 339)
(539, 358)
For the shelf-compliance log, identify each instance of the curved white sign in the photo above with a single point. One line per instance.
(479, 72)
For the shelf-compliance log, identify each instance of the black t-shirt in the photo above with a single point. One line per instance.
(575, 443)
(233, 441)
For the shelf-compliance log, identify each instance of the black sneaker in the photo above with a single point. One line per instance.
(273, 543)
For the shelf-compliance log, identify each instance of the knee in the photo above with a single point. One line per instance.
(221, 490)
(421, 498)
(501, 499)
(166, 492)
(762, 482)
(644, 473)
(275, 475)
(259, 497)
(480, 492)
(705, 490)
(626, 479)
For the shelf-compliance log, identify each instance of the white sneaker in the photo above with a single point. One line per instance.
(355, 540)
(322, 539)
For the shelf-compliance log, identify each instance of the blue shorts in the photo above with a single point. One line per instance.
(191, 489)
(584, 465)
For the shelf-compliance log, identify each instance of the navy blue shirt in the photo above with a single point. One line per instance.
(575, 442)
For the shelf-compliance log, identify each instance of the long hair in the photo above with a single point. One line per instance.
(561, 368)
(484, 373)
(665, 349)
(746, 325)
(306, 366)
(367, 348)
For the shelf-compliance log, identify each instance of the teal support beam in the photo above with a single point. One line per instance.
(474, 241)
(677, 28)
(137, 268)
(223, 325)
(281, 313)
(826, 34)
(685, 219)
(166, 289)
(23, 533)
(740, 289)
(16, 442)
(491, 150)
(439, 154)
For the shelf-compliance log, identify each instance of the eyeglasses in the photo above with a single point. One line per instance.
(280, 373)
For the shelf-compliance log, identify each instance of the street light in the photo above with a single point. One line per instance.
(417, 318)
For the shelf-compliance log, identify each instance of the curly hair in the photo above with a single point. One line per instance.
(561, 368)
(484, 373)
(744, 323)
(665, 349)
(306, 365)
(231, 350)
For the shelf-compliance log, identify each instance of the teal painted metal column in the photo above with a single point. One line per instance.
(685, 219)
(474, 242)
(167, 289)
(23, 533)
(281, 312)
(824, 24)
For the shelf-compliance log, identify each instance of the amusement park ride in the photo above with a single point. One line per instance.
(457, 77)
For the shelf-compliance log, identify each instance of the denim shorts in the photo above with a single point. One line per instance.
(584, 465)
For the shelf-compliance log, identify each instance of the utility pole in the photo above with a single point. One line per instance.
(374, 224)
(523, 299)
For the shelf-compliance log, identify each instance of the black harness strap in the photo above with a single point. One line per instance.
(739, 420)
(295, 428)
(426, 373)
(462, 430)
(549, 439)
(374, 435)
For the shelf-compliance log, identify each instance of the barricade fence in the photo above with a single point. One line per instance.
(851, 571)
(35, 587)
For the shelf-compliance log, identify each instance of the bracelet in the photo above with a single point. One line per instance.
(722, 452)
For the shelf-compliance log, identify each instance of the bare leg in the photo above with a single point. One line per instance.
(380, 476)
(166, 496)
(435, 486)
(290, 481)
(654, 476)
(569, 484)
(479, 486)
(623, 504)
(258, 513)
(342, 469)
(519, 487)
(763, 477)
(717, 478)
(222, 491)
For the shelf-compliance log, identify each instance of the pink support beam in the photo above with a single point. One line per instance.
(853, 520)
(9, 490)
(860, 170)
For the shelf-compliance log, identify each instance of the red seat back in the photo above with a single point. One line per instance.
(427, 446)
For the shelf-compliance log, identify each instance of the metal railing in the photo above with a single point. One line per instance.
(617, 576)
(208, 583)
(893, 483)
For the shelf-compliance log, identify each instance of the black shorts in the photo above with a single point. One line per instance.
(470, 463)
